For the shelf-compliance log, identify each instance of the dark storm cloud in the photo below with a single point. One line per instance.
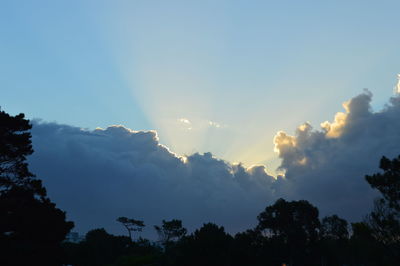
(99, 175)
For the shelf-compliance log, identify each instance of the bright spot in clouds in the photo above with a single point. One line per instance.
(184, 120)
(199, 125)
(214, 124)
(397, 88)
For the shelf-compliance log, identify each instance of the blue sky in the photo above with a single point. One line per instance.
(219, 76)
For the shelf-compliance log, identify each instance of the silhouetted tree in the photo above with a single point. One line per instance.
(251, 248)
(131, 225)
(384, 220)
(15, 145)
(98, 248)
(364, 249)
(388, 182)
(384, 223)
(170, 230)
(334, 240)
(295, 225)
(31, 227)
(335, 228)
(209, 245)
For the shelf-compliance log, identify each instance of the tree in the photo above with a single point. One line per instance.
(385, 217)
(31, 227)
(291, 221)
(388, 182)
(384, 223)
(384, 220)
(131, 225)
(295, 225)
(98, 248)
(209, 245)
(334, 240)
(170, 231)
(250, 248)
(363, 248)
(15, 145)
(334, 228)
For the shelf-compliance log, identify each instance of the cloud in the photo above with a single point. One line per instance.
(99, 175)
(214, 124)
(185, 121)
(328, 166)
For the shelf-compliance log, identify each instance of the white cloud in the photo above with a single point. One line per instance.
(328, 166)
(397, 88)
(214, 124)
(184, 120)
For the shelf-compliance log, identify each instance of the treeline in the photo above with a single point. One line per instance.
(288, 233)
(33, 230)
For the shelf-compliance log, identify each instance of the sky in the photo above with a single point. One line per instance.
(219, 77)
(237, 71)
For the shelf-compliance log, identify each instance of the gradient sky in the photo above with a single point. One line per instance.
(218, 76)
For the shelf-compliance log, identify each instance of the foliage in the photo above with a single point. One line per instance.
(384, 220)
(334, 228)
(15, 146)
(31, 227)
(294, 226)
(131, 225)
(388, 182)
(288, 232)
(290, 221)
(250, 248)
(170, 230)
(100, 248)
(363, 247)
(334, 240)
(209, 245)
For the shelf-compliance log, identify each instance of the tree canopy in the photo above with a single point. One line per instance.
(292, 225)
(31, 227)
(388, 182)
(15, 146)
(131, 225)
(170, 230)
(333, 227)
(290, 221)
